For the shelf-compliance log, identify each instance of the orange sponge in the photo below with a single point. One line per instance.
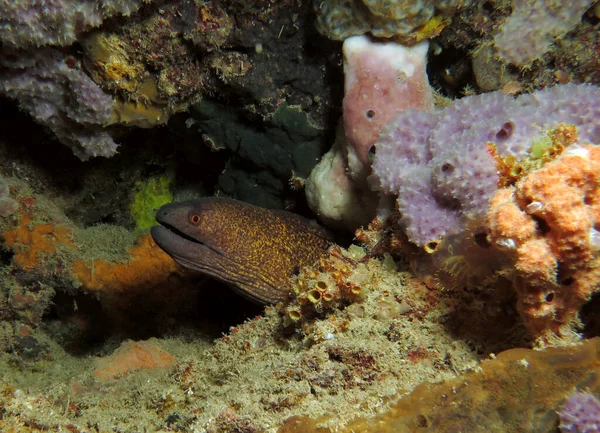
(133, 356)
(550, 222)
(147, 266)
(32, 243)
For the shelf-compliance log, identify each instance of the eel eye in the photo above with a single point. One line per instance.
(194, 218)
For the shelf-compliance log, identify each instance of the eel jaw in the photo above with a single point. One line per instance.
(186, 250)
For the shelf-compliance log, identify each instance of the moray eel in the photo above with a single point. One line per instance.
(255, 250)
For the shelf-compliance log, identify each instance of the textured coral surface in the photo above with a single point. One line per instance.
(580, 413)
(550, 222)
(510, 394)
(37, 23)
(58, 94)
(443, 155)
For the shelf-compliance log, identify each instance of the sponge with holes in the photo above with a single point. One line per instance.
(440, 165)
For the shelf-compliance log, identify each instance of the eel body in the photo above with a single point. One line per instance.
(255, 250)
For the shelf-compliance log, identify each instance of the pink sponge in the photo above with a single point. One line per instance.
(382, 79)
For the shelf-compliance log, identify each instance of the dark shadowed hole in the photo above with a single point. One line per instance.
(482, 240)
(447, 168)
(549, 297)
(506, 131)
(430, 247)
(542, 225)
(487, 7)
(567, 281)
(422, 421)
(562, 276)
(370, 114)
(590, 317)
(372, 152)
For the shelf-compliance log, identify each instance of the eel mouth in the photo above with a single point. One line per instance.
(174, 231)
(177, 243)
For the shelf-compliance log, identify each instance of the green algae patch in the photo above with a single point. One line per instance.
(148, 197)
(105, 242)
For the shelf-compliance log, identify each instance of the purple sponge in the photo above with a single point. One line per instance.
(580, 414)
(438, 163)
(61, 97)
(414, 151)
(27, 24)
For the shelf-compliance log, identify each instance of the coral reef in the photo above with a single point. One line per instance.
(575, 57)
(334, 284)
(146, 270)
(486, 239)
(149, 62)
(267, 369)
(445, 166)
(34, 243)
(580, 413)
(155, 63)
(340, 19)
(549, 222)
(556, 46)
(47, 247)
(362, 347)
